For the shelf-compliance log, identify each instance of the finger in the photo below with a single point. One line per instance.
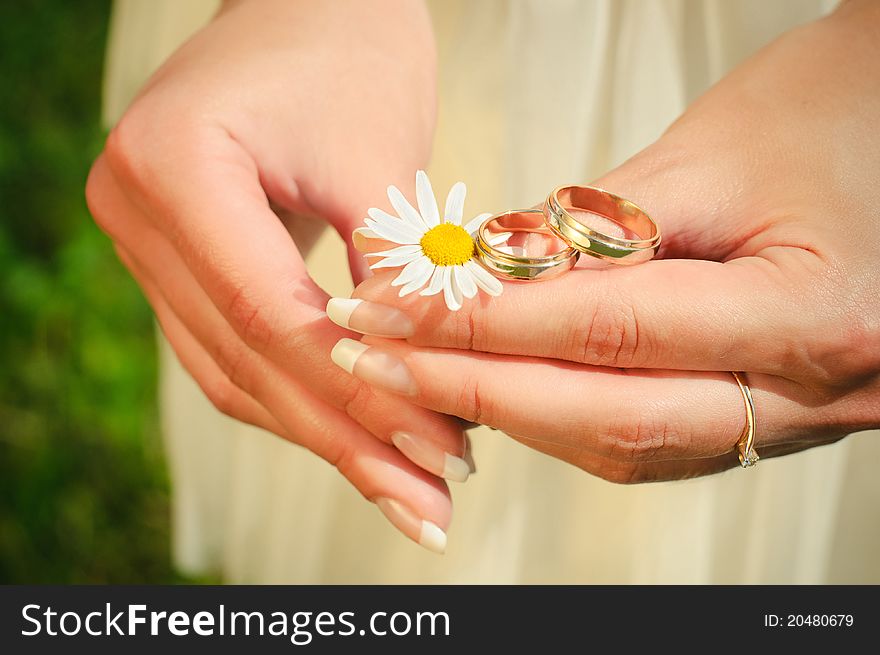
(210, 202)
(748, 313)
(624, 472)
(623, 415)
(216, 386)
(414, 502)
(672, 314)
(440, 439)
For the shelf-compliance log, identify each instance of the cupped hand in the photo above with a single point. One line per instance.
(766, 191)
(304, 111)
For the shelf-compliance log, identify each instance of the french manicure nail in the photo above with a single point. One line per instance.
(360, 238)
(374, 366)
(369, 318)
(432, 458)
(426, 534)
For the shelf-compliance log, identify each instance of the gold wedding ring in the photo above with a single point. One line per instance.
(602, 224)
(745, 446)
(532, 244)
(517, 245)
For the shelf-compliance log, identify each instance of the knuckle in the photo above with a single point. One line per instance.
(250, 321)
(835, 347)
(843, 357)
(99, 191)
(636, 475)
(223, 395)
(234, 361)
(637, 437)
(471, 402)
(339, 453)
(124, 256)
(611, 337)
(138, 148)
(125, 148)
(358, 399)
(627, 475)
(863, 338)
(464, 332)
(624, 473)
(96, 200)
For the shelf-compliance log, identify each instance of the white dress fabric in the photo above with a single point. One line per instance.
(534, 93)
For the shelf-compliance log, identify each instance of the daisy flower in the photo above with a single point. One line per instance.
(436, 255)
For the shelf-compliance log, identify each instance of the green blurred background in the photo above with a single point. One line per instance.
(83, 487)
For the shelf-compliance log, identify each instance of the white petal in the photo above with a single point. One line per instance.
(435, 286)
(464, 281)
(402, 234)
(455, 203)
(392, 262)
(484, 279)
(427, 201)
(384, 218)
(405, 210)
(451, 292)
(411, 271)
(419, 281)
(381, 215)
(367, 233)
(397, 252)
(474, 224)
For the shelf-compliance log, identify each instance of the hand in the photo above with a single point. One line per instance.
(767, 195)
(294, 109)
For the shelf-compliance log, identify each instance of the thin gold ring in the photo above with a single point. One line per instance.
(745, 446)
(641, 238)
(506, 263)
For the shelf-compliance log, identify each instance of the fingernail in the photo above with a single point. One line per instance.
(369, 318)
(432, 458)
(374, 366)
(360, 238)
(426, 534)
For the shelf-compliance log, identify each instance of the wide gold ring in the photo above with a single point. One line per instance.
(517, 245)
(745, 446)
(602, 224)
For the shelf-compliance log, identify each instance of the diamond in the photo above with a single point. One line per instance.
(750, 459)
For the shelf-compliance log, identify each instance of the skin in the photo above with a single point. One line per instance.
(766, 191)
(233, 155)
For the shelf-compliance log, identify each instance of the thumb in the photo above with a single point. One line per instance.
(693, 201)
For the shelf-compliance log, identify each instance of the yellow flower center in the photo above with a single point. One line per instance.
(447, 245)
